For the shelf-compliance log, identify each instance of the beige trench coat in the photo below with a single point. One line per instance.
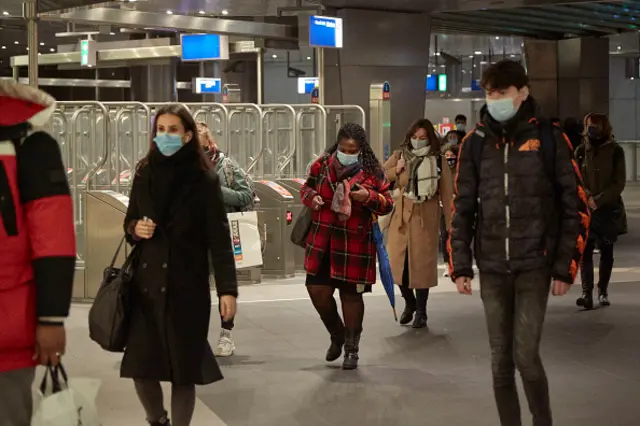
(416, 227)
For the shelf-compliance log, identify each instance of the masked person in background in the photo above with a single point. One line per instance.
(451, 157)
(237, 195)
(461, 126)
(519, 199)
(424, 183)
(346, 186)
(603, 170)
(453, 137)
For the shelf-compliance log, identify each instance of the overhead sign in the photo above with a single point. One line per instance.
(436, 83)
(325, 31)
(204, 47)
(306, 85)
(88, 53)
(204, 85)
(386, 91)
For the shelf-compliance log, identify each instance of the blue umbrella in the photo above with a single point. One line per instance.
(385, 266)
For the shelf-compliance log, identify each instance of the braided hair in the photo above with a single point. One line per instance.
(370, 163)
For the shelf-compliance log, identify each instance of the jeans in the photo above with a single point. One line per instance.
(606, 265)
(515, 307)
(16, 401)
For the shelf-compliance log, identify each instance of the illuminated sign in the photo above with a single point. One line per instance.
(436, 83)
(442, 83)
(203, 85)
(306, 85)
(386, 91)
(88, 53)
(325, 31)
(289, 217)
(204, 47)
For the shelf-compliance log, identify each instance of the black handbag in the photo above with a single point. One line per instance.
(109, 315)
(302, 227)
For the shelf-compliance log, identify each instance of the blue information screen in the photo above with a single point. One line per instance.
(325, 31)
(200, 47)
(475, 85)
(207, 85)
(432, 82)
(306, 85)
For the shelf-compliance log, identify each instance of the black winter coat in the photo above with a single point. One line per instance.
(519, 220)
(171, 298)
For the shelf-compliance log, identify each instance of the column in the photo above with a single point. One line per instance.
(381, 46)
(154, 83)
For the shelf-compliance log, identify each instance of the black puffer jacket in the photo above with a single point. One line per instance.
(524, 222)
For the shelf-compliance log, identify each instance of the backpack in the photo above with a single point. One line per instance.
(228, 168)
(547, 146)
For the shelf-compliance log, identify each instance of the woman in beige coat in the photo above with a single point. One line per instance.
(421, 184)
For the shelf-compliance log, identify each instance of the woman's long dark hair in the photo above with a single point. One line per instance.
(189, 125)
(423, 123)
(370, 163)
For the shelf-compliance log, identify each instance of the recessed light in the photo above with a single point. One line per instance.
(471, 56)
(308, 58)
(477, 52)
(497, 38)
(435, 71)
(39, 53)
(4, 47)
(27, 49)
(5, 13)
(41, 44)
(15, 42)
(512, 56)
(274, 56)
(619, 47)
(225, 12)
(112, 33)
(437, 53)
(132, 1)
(169, 12)
(201, 12)
(52, 50)
(483, 62)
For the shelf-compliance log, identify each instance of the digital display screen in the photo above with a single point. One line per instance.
(204, 47)
(306, 85)
(202, 85)
(432, 82)
(475, 86)
(325, 31)
(442, 83)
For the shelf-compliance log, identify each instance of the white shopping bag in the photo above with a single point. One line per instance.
(245, 238)
(66, 402)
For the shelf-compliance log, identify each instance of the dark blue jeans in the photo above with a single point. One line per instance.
(515, 307)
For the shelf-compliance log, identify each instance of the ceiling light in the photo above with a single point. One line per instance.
(435, 71)
(201, 12)
(512, 56)
(39, 53)
(471, 56)
(132, 1)
(483, 62)
(619, 47)
(497, 38)
(15, 42)
(437, 53)
(52, 50)
(477, 52)
(5, 13)
(4, 47)
(308, 58)
(112, 33)
(274, 56)
(169, 12)
(41, 44)
(225, 12)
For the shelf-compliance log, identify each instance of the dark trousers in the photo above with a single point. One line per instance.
(16, 401)
(416, 299)
(606, 265)
(515, 307)
(227, 325)
(444, 236)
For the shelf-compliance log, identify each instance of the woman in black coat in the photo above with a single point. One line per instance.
(176, 218)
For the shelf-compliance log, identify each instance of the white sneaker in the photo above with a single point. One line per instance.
(225, 347)
(446, 270)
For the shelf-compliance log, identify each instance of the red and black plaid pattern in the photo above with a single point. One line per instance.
(349, 243)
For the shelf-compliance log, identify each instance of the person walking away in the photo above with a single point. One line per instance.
(37, 247)
(237, 195)
(176, 219)
(603, 169)
(461, 126)
(451, 156)
(346, 186)
(519, 197)
(412, 244)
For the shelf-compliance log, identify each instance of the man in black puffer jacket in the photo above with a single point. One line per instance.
(526, 211)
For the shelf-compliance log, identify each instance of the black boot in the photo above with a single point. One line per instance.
(606, 267)
(409, 305)
(164, 422)
(586, 300)
(420, 320)
(335, 327)
(351, 349)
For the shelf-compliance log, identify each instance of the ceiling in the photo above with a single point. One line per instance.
(553, 19)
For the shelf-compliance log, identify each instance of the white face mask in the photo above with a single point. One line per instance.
(419, 143)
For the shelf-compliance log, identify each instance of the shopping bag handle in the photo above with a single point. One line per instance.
(55, 372)
(115, 256)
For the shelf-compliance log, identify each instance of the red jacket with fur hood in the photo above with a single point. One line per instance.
(37, 242)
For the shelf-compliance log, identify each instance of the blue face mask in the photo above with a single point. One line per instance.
(167, 143)
(347, 159)
(501, 109)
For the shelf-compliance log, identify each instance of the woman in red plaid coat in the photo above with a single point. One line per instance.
(345, 188)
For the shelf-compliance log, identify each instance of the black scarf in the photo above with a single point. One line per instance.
(169, 175)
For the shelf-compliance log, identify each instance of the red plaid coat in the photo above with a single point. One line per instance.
(349, 243)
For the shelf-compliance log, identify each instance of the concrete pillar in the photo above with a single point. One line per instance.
(381, 46)
(569, 78)
(154, 83)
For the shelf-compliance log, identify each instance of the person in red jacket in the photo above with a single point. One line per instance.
(37, 247)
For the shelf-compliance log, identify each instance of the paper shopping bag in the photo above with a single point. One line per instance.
(245, 237)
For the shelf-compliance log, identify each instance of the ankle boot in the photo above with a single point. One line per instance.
(351, 349)
(606, 267)
(335, 327)
(420, 320)
(163, 422)
(586, 300)
(409, 305)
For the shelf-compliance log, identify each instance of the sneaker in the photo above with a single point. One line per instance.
(225, 347)
(446, 270)
(603, 298)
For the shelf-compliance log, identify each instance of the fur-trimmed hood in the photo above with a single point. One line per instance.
(24, 104)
